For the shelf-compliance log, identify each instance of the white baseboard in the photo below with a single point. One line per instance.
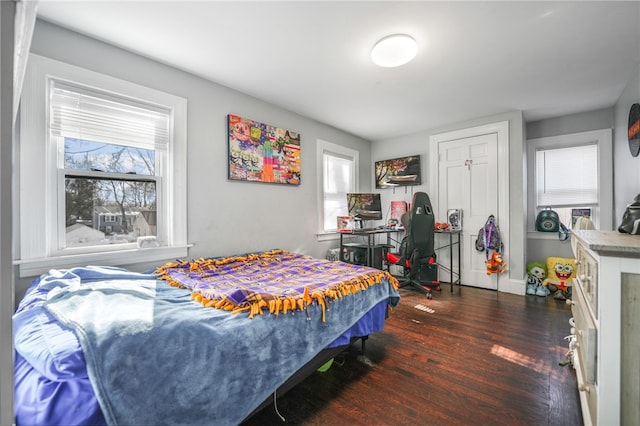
(509, 285)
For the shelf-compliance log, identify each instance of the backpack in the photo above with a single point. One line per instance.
(489, 237)
(631, 218)
(547, 221)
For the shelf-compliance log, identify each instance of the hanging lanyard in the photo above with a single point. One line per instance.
(487, 237)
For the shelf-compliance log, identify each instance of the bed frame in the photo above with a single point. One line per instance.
(312, 366)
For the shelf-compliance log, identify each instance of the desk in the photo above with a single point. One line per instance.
(453, 240)
(374, 252)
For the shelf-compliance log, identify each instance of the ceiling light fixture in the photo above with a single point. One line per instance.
(394, 50)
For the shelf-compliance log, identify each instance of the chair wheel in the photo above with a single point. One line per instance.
(429, 296)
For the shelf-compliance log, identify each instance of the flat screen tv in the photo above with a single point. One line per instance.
(403, 171)
(365, 206)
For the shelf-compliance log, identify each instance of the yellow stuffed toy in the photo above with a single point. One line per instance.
(561, 271)
(495, 264)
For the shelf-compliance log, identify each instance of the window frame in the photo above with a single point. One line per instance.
(102, 131)
(325, 147)
(603, 211)
(40, 210)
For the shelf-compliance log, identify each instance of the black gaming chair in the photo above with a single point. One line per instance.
(417, 255)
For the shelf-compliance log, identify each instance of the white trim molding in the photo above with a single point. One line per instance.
(323, 147)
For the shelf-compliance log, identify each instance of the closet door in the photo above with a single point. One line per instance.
(468, 180)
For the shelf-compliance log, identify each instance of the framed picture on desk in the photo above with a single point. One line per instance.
(346, 224)
(398, 208)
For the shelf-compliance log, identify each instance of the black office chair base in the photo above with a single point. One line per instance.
(422, 287)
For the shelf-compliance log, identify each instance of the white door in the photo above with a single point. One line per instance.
(468, 180)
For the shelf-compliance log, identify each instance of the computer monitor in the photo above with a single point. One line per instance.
(365, 206)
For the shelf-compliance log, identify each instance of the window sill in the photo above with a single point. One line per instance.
(536, 235)
(35, 267)
(328, 236)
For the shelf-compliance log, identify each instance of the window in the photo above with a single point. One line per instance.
(571, 174)
(102, 163)
(338, 168)
(113, 158)
(567, 179)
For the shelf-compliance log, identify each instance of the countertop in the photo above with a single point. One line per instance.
(609, 243)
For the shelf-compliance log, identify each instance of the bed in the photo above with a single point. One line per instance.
(208, 341)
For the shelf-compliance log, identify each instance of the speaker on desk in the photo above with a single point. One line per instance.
(358, 256)
(345, 256)
(355, 255)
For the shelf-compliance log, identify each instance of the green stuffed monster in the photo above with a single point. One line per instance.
(536, 273)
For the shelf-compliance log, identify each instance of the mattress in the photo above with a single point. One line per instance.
(160, 357)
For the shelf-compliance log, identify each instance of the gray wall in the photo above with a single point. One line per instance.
(7, 10)
(626, 172)
(224, 217)
(567, 124)
(534, 248)
(626, 169)
(230, 217)
(418, 143)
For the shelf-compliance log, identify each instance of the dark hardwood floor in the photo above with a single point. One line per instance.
(471, 357)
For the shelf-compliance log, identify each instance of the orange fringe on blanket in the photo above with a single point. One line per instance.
(277, 304)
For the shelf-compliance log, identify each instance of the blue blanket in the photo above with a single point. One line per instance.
(154, 356)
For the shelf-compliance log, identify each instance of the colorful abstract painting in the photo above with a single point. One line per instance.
(259, 152)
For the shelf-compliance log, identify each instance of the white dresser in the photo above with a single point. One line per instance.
(606, 313)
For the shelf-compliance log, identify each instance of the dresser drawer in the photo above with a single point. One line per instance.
(588, 394)
(587, 275)
(586, 335)
(585, 354)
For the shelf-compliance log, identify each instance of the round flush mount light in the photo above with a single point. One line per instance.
(394, 50)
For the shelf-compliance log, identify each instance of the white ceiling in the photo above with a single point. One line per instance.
(475, 59)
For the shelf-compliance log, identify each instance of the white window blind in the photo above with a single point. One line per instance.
(338, 174)
(567, 176)
(83, 113)
(339, 179)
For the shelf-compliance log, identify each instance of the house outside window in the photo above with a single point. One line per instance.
(571, 174)
(338, 169)
(111, 167)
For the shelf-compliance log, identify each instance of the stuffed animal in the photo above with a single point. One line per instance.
(561, 271)
(536, 273)
(495, 264)
(583, 222)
